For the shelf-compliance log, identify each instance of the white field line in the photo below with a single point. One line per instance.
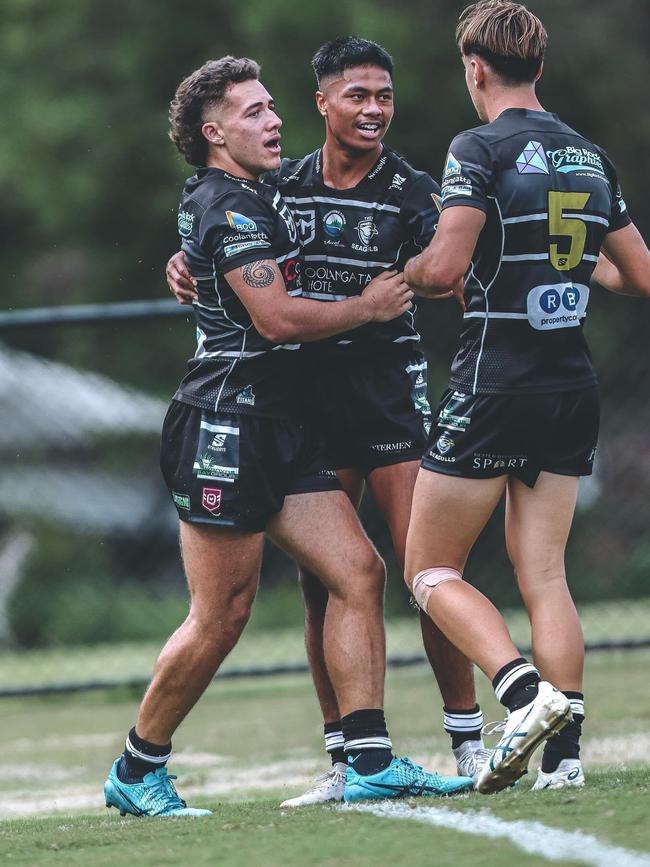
(533, 838)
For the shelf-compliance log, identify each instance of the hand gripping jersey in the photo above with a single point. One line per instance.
(224, 223)
(550, 196)
(350, 236)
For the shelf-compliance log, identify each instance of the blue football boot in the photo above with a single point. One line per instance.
(401, 779)
(154, 796)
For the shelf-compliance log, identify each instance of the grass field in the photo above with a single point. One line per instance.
(249, 744)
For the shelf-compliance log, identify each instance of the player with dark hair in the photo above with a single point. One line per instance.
(239, 459)
(527, 206)
(362, 209)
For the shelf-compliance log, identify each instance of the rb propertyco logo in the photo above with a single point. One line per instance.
(211, 500)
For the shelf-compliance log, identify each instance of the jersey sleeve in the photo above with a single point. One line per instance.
(467, 176)
(236, 229)
(419, 214)
(619, 217)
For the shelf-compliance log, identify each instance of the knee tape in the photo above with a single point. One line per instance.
(425, 582)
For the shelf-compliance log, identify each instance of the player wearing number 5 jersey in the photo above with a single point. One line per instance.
(527, 206)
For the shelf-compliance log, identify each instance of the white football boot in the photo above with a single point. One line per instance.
(470, 758)
(568, 774)
(327, 787)
(523, 731)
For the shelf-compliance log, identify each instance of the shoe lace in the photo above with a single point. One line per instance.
(164, 790)
(494, 727)
(333, 776)
(477, 759)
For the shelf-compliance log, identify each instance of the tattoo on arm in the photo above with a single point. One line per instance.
(258, 274)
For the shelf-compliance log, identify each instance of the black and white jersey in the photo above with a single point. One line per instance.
(350, 236)
(550, 196)
(226, 222)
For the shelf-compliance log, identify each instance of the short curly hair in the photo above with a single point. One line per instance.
(206, 86)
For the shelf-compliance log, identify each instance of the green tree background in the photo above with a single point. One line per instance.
(89, 182)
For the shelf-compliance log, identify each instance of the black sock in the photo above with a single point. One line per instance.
(516, 683)
(334, 742)
(367, 745)
(140, 758)
(463, 725)
(565, 744)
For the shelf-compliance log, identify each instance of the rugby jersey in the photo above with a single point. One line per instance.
(550, 196)
(226, 222)
(350, 236)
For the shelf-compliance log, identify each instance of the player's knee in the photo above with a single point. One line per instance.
(425, 582)
(373, 570)
(362, 581)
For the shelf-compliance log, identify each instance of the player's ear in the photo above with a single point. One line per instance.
(478, 71)
(321, 102)
(213, 132)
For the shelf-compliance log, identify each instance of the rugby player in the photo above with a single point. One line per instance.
(239, 458)
(527, 205)
(362, 209)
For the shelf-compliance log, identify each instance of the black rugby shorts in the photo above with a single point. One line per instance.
(371, 411)
(483, 436)
(234, 470)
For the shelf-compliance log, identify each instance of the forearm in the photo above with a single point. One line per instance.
(427, 281)
(608, 276)
(305, 320)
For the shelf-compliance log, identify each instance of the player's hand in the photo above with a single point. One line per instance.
(458, 292)
(181, 283)
(388, 295)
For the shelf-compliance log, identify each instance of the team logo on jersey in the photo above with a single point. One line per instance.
(397, 183)
(562, 305)
(247, 396)
(452, 166)
(445, 444)
(572, 159)
(306, 223)
(334, 223)
(211, 500)
(185, 223)
(240, 222)
(532, 160)
(366, 230)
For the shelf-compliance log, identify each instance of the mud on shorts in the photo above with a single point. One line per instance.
(483, 436)
(371, 411)
(234, 470)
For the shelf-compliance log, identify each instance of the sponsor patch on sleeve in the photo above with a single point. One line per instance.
(456, 190)
(234, 249)
(240, 222)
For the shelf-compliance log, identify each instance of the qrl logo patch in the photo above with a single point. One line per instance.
(211, 500)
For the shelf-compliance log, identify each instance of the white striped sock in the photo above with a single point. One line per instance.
(370, 743)
(334, 741)
(512, 676)
(145, 757)
(577, 706)
(461, 723)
